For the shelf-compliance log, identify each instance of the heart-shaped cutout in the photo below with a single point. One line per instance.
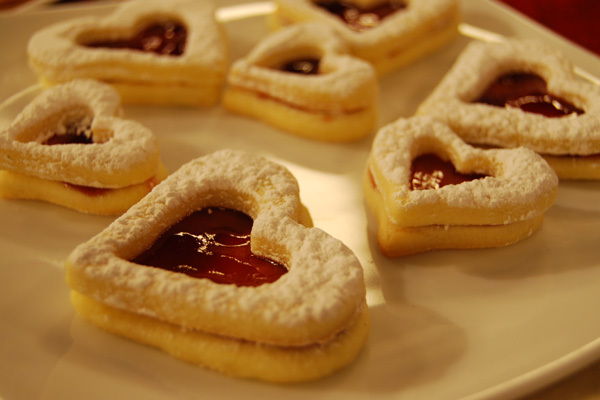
(502, 200)
(71, 146)
(111, 49)
(335, 102)
(387, 34)
(538, 77)
(306, 324)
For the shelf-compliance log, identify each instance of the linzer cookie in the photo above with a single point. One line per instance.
(219, 266)
(523, 93)
(70, 146)
(430, 190)
(152, 51)
(302, 80)
(386, 33)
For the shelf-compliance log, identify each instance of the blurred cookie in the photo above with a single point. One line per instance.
(151, 51)
(302, 80)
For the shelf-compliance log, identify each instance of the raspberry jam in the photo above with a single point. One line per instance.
(527, 92)
(212, 243)
(166, 38)
(431, 172)
(360, 19)
(305, 66)
(74, 133)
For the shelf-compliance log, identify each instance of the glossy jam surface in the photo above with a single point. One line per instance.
(212, 243)
(360, 19)
(305, 66)
(431, 172)
(527, 92)
(166, 38)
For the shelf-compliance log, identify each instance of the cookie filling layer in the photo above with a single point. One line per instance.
(304, 66)
(360, 19)
(165, 38)
(73, 134)
(212, 243)
(527, 92)
(428, 171)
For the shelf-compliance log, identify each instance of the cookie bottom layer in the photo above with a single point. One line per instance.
(227, 355)
(161, 94)
(426, 43)
(395, 241)
(572, 168)
(14, 185)
(328, 127)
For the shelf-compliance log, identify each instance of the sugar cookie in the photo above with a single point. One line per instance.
(386, 33)
(71, 147)
(302, 80)
(522, 93)
(497, 197)
(310, 320)
(152, 51)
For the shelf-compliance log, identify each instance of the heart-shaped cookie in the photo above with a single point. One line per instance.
(499, 196)
(307, 323)
(522, 93)
(388, 34)
(302, 80)
(152, 51)
(71, 140)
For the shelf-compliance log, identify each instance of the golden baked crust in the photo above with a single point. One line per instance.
(337, 104)
(227, 355)
(58, 53)
(121, 162)
(408, 34)
(99, 201)
(319, 297)
(453, 101)
(505, 206)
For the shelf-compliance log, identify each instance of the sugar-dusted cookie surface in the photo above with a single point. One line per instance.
(309, 322)
(152, 51)
(388, 33)
(522, 93)
(430, 190)
(301, 79)
(71, 146)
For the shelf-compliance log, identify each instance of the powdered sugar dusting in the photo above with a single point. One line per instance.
(316, 298)
(343, 84)
(396, 31)
(480, 64)
(123, 152)
(519, 181)
(57, 52)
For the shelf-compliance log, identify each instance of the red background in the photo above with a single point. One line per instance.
(577, 20)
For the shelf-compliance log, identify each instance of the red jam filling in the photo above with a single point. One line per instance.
(212, 243)
(305, 66)
(527, 92)
(360, 19)
(74, 134)
(431, 172)
(166, 38)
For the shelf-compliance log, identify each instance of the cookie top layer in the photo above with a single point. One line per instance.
(480, 64)
(319, 296)
(121, 153)
(343, 84)
(58, 52)
(518, 184)
(396, 29)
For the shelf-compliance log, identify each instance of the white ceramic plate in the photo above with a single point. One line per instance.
(451, 324)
